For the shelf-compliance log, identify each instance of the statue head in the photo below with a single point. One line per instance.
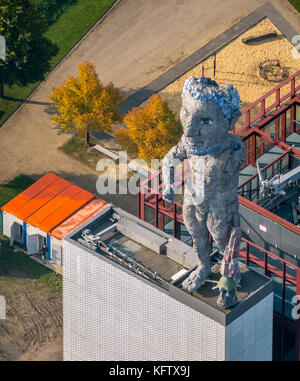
(208, 111)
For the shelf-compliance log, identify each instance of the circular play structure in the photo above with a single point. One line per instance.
(272, 70)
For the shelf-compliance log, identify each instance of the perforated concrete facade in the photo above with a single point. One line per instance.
(111, 314)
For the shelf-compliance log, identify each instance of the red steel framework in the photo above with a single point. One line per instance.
(251, 132)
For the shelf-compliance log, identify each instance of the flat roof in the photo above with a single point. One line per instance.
(159, 270)
(48, 193)
(88, 211)
(130, 253)
(49, 202)
(30, 193)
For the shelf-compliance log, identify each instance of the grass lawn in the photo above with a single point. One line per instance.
(15, 263)
(12, 262)
(69, 28)
(11, 189)
(76, 148)
(296, 4)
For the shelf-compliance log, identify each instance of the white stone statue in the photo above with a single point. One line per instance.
(208, 113)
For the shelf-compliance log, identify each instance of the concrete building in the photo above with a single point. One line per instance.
(123, 299)
(271, 239)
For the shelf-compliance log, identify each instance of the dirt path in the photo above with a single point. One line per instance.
(32, 329)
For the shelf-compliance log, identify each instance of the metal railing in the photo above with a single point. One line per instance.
(261, 102)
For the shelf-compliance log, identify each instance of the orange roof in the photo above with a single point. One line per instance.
(66, 204)
(48, 202)
(29, 193)
(41, 199)
(84, 214)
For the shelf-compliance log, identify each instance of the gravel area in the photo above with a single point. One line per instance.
(237, 63)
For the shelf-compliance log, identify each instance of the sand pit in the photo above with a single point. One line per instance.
(238, 63)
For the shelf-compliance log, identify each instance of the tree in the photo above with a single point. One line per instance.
(85, 104)
(50, 10)
(150, 131)
(28, 52)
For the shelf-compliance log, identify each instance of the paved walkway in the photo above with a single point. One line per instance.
(134, 45)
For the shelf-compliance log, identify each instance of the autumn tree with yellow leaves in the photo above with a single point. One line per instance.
(150, 131)
(84, 104)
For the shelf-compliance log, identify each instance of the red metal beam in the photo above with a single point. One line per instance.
(269, 118)
(273, 217)
(272, 269)
(293, 117)
(283, 127)
(264, 168)
(255, 131)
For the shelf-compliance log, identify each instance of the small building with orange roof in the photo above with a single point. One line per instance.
(46, 212)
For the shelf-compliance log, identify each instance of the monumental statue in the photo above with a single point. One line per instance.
(214, 155)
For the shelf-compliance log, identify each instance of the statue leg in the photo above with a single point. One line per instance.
(195, 222)
(220, 225)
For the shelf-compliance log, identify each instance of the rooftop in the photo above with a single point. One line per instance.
(49, 202)
(165, 261)
(130, 243)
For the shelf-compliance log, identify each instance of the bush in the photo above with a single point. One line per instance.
(50, 10)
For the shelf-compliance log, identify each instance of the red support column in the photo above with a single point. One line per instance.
(253, 150)
(156, 213)
(262, 144)
(247, 142)
(293, 117)
(293, 87)
(277, 122)
(174, 220)
(247, 146)
(283, 127)
(140, 206)
(161, 216)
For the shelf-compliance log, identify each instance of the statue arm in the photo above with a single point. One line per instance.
(176, 155)
(237, 157)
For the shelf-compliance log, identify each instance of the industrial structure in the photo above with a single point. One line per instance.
(124, 299)
(57, 212)
(271, 239)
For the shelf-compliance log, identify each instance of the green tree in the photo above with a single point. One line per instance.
(150, 131)
(85, 104)
(28, 52)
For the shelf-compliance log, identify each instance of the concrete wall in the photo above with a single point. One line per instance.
(56, 251)
(9, 221)
(111, 314)
(270, 235)
(249, 337)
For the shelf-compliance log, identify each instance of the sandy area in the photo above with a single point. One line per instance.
(238, 63)
(32, 329)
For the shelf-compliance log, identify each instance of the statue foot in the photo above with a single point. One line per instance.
(227, 299)
(193, 282)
